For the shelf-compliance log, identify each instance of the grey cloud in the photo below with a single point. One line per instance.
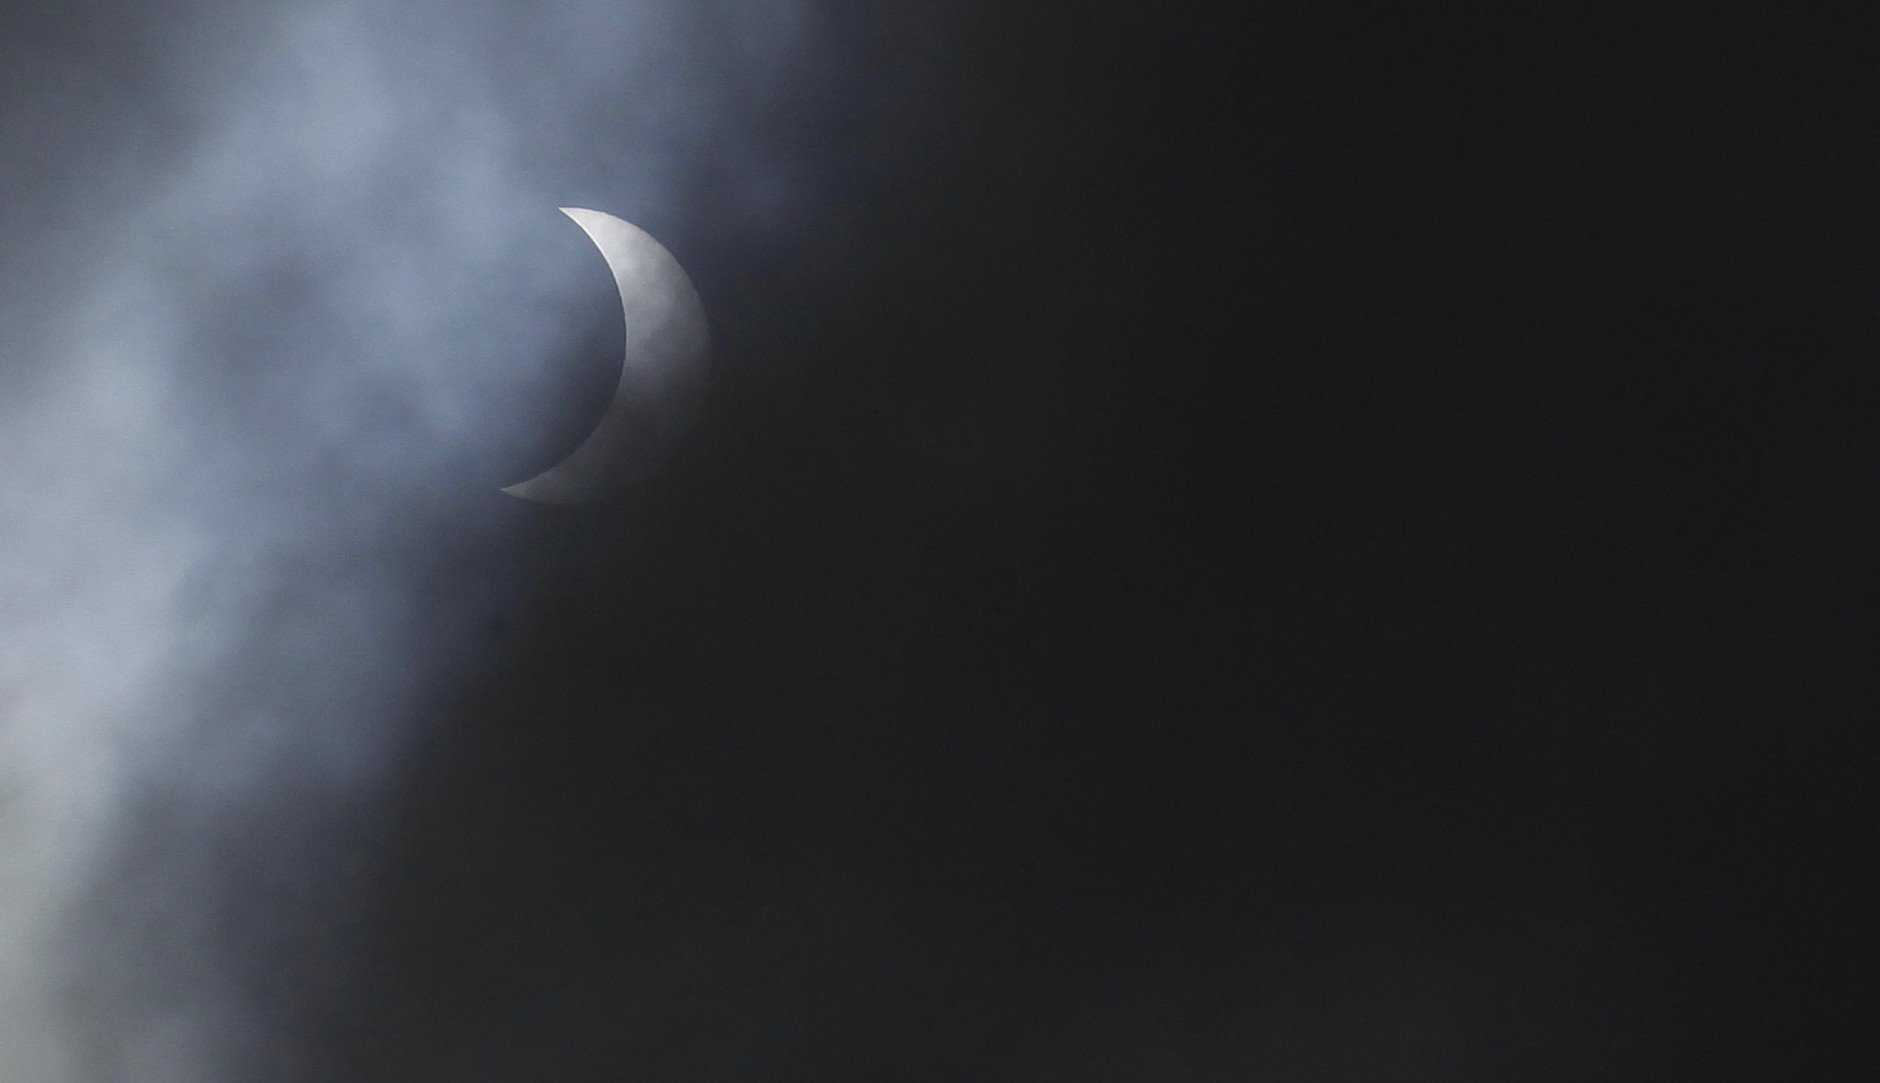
(276, 308)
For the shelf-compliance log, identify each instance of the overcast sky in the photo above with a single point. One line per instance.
(1338, 553)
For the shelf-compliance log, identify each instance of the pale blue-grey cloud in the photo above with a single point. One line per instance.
(276, 317)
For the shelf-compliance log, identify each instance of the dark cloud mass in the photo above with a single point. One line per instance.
(1300, 546)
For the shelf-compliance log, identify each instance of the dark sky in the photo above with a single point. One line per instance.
(1271, 543)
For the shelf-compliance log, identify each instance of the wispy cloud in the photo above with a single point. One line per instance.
(270, 344)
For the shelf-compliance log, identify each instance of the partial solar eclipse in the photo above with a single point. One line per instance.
(661, 375)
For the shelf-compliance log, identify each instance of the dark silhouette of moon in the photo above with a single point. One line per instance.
(661, 375)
